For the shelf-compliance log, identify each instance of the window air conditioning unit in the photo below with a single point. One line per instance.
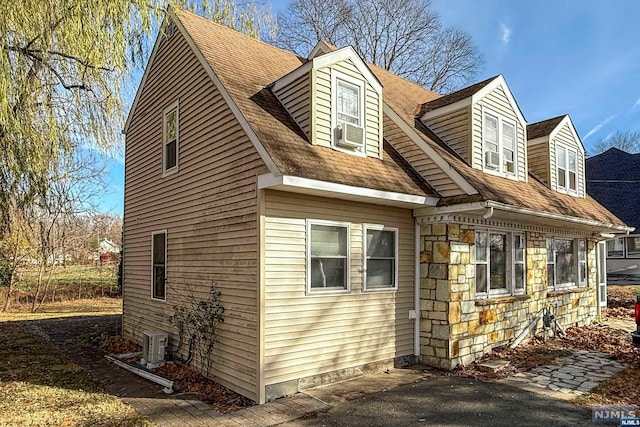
(350, 136)
(153, 346)
(492, 159)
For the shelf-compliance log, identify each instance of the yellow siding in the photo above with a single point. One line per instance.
(497, 101)
(322, 105)
(296, 99)
(208, 209)
(538, 157)
(454, 129)
(307, 335)
(565, 137)
(418, 159)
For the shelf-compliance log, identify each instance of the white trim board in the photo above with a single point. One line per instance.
(327, 60)
(341, 191)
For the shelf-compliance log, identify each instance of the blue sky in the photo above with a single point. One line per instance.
(574, 57)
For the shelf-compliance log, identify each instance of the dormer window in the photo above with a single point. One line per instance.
(348, 103)
(567, 168)
(499, 142)
(348, 113)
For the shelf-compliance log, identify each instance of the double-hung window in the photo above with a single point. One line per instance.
(567, 169)
(348, 102)
(171, 136)
(348, 113)
(381, 258)
(328, 257)
(499, 142)
(566, 263)
(500, 263)
(159, 265)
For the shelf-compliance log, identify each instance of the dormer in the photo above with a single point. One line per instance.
(556, 155)
(336, 101)
(483, 125)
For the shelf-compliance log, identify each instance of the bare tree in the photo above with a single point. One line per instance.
(404, 37)
(623, 140)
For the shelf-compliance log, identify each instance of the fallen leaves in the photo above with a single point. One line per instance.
(219, 397)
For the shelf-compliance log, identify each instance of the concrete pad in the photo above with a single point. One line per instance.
(356, 387)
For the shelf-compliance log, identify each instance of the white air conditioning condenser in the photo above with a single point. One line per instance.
(154, 345)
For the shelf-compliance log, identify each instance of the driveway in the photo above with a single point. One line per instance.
(445, 401)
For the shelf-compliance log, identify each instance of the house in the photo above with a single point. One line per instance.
(613, 179)
(108, 246)
(351, 219)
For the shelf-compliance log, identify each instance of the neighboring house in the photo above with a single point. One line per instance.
(108, 246)
(350, 218)
(613, 179)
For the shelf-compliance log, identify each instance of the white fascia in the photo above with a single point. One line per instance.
(296, 184)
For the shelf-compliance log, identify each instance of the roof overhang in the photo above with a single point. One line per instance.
(497, 210)
(334, 190)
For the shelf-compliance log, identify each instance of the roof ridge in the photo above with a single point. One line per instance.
(179, 10)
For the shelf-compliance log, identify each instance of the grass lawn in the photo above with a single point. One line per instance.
(39, 386)
(94, 307)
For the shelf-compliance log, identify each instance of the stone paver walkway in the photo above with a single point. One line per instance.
(577, 374)
(184, 412)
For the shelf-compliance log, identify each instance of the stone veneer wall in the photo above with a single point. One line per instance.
(455, 328)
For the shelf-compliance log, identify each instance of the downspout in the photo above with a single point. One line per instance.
(416, 290)
(489, 213)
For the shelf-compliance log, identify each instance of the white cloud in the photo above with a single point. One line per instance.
(506, 33)
(599, 126)
(636, 106)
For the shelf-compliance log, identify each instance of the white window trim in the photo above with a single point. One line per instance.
(165, 171)
(510, 266)
(566, 190)
(501, 119)
(166, 246)
(570, 285)
(317, 291)
(367, 227)
(335, 76)
(626, 248)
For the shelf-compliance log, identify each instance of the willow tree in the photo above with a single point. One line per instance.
(63, 67)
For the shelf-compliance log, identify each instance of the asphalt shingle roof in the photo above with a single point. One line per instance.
(543, 128)
(247, 67)
(613, 179)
